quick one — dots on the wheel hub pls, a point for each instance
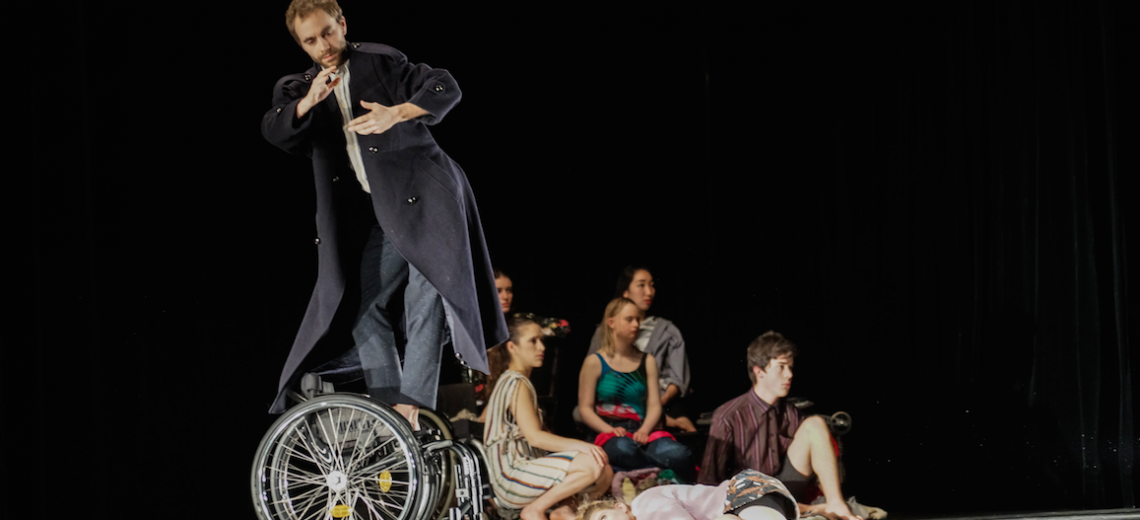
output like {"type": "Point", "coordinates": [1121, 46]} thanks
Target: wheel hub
{"type": "Point", "coordinates": [337, 481]}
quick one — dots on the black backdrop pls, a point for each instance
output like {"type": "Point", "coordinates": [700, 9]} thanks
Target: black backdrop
{"type": "Point", "coordinates": [932, 202]}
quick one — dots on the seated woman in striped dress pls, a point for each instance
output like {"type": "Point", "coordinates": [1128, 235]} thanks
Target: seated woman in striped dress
{"type": "Point", "coordinates": [532, 469]}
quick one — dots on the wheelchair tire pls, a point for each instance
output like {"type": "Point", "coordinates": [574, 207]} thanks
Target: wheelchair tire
{"type": "Point", "coordinates": [441, 488]}
{"type": "Point", "coordinates": [338, 456]}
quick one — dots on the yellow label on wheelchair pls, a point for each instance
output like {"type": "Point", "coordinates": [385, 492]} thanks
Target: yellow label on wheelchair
{"type": "Point", "coordinates": [384, 480]}
{"type": "Point", "coordinates": [341, 511]}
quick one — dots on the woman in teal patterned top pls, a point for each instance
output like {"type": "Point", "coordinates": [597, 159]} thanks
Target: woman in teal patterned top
{"type": "Point", "coordinates": [615, 400]}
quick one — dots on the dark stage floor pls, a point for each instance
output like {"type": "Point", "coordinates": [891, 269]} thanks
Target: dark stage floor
{"type": "Point", "coordinates": [1103, 514]}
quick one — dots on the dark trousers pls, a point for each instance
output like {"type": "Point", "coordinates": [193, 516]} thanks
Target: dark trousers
{"type": "Point", "coordinates": [391, 290]}
{"type": "Point", "coordinates": [664, 453]}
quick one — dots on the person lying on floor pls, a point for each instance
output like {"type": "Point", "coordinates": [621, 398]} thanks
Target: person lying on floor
{"type": "Point", "coordinates": [762, 431]}
{"type": "Point", "coordinates": [749, 495]}
{"type": "Point", "coordinates": [524, 474]}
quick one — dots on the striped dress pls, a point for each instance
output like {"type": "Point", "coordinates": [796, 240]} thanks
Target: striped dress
{"type": "Point", "coordinates": [519, 472]}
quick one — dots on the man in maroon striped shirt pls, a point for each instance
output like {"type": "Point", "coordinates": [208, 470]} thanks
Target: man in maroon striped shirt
{"type": "Point", "coordinates": [761, 431]}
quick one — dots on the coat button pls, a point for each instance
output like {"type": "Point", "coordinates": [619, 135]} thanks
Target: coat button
{"type": "Point", "coordinates": [317, 241]}
{"type": "Point", "coordinates": [458, 356]}
{"type": "Point", "coordinates": [355, 45]}
{"type": "Point", "coordinates": [336, 179]}
{"type": "Point", "coordinates": [373, 149]}
{"type": "Point", "coordinates": [439, 87]}
{"type": "Point", "coordinates": [308, 77]}
{"type": "Point", "coordinates": [279, 110]}
{"type": "Point", "coordinates": [413, 200]}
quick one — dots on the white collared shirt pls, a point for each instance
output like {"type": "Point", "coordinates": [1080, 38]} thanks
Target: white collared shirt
{"type": "Point", "coordinates": [344, 101]}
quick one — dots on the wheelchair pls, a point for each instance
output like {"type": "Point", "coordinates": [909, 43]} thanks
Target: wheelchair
{"type": "Point", "coordinates": [342, 455]}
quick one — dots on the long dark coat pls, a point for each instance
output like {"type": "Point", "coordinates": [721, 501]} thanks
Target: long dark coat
{"type": "Point", "coordinates": [420, 196]}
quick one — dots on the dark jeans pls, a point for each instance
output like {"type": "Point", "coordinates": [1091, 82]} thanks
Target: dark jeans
{"type": "Point", "coordinates": [665, 453]}
{"type": "Point", "coordinates": [392, 289]}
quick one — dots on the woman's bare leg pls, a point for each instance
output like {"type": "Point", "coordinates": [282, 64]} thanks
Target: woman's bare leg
{"type": "Point", "coordinates": [811, 452]}
{"type": "Point", "coordinates": [583, 471]}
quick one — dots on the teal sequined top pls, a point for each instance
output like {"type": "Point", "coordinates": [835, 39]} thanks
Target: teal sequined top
{"type": "Point", "coordinates": [622, 395]}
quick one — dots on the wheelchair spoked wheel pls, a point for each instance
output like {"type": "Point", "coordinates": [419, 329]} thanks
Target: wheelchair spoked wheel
{"type": "Point", "coordinates": [441, 477]}
{"type": "Point", "coordinates": [338, 456]}
{"type": "Point", "coordinates": [492, 506]}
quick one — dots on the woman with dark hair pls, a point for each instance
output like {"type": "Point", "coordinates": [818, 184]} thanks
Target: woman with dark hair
{"type": "Point", "coordinates": [524, 474]}
{"type": "Point", "coordinates": [618, 398]}
{"type": "Point", "coordinates": [506, 290]}
{"type": "Point", "coordinates": [660, 338]}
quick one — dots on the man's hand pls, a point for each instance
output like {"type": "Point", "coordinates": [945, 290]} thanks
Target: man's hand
{"type": "Point", "coordinates": [318, 91]}
{"type": "Point", "coordinates": [381, 118]}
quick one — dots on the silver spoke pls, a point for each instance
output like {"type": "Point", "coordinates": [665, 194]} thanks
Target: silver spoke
{"type": "Point", "coordinates": [312, 503]}
{"type": "Point", "coordinates": [312, 492]}
{"type": "Point", "coordinates": [371, 433]}
{"type": "Point", "coordinates": [306, 443]}
{"type": "Point", "coordinates": [383, 464]}
{"type": "Point", "coordinates": [384, 507]}
{"type": "Point", "coordinates": [340, 452]}
{"type": "Point", "coordinates": [359, 481]}
{"type": "Point", "coordinates": [299, 482]}
{"type": "Point", "coordinates": [298, 455]}
{"type": "Point", "coordinates": [373, 450]}
{"type": "Point", "coordinates": [337, 441]}
{"type": "Point", "coordinates": [325, 436]}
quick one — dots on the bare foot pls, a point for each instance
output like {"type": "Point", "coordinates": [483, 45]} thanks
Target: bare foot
{"type": "Point", "coordinates": [562, 513]}
{"type": "Point", "coordinates": [682, 423]}
{"type": "Point", "coordinates": [840, 510]}
{"type": "Point", "coordinates": [410, 412]}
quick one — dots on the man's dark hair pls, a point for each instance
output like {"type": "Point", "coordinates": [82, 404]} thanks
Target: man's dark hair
{"type": "Point", "coordinates": [626, 277]}
{"type": "Point", "coordinates": [770, 345]}
{"type": "Point", "coordinates": [304, 8]}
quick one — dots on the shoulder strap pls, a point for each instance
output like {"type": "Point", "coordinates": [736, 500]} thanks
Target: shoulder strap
{"type": "Point", "coordinates": [605, 366]}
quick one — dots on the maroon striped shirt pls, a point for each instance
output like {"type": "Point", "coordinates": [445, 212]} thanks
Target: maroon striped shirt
{"type": "Point", "coordinates": [748, 433]}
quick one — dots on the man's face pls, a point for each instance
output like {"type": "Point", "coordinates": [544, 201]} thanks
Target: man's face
{"type": "Point", "coordinates": [322, 37]}
{"type": "Point", "coordinates": [776, 379]}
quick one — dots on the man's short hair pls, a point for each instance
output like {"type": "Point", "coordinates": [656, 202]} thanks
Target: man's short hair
{"type": "Point", "coordinates": [304, 8]}
{"type": "Point", "coordinates": [770, 345]}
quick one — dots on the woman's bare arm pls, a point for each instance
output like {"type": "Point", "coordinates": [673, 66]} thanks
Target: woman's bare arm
{"type": "Point", "coordinates": [587, 386]}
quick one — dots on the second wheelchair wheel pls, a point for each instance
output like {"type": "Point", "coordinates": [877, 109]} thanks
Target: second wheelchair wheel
{"type": "Point", "coordinates": [442, 474]}
{"type": "Point", "coordinates": [338, 456]}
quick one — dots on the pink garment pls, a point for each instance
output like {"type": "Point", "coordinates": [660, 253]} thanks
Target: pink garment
{"type": "Point", "coordinates": [601, 439]}
{"type": "Point", "coordinates": [680, 502]}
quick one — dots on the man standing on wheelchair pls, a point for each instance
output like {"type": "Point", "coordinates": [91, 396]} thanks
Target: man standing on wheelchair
{"type": "Point", "coordinates": [402, 259]}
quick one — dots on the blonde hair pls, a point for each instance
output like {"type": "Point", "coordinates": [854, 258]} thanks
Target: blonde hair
{"type": "Point", "coordinates": [614, 308]}
{"type": "Point", "coordinates": [589, 508]}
